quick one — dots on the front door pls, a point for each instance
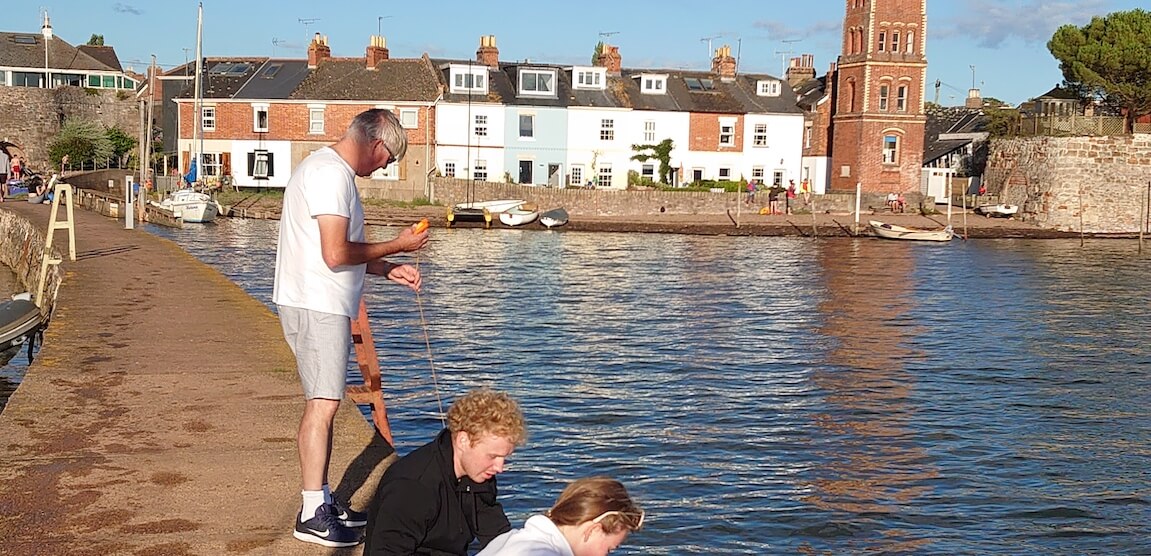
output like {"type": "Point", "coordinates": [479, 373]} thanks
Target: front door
{"type": "Point", "coordinates": [555, 176]}
{"type": "Point", "coordinates": [525, 171]}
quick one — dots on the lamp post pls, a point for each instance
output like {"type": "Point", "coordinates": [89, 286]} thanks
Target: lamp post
{"type": "Point", "coordinates": [46, 31]}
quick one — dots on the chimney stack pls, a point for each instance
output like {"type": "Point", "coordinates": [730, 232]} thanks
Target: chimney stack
{"type": "Point", "coordinates": [974, 99]}
{"type": "Point", "coordinates": [723, 64]}
{"type": "Point", "coordinates": [609, 58]}
{"type": "Point", "coordinates": [801, 69]}
{"type": "Point", "coordinates": [487, 54]}
{"type": "Point", "coordinates": [377, 52]}
{"type": "Point", "coordinates": [318, 51]}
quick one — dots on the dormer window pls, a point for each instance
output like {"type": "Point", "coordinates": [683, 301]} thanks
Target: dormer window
{"type": "Point", "coordinates": [767, 88]}
{"type": "Point", "coordinates": [653, 84]}
{"type": "Point", "coordinates": [468, 79]}
{"type": "Point", "coordinates": [538, 82]}
{"type": "Point", "coordinates": [589, 78]}
{"type": "Point", "coordinates": [699, 84]}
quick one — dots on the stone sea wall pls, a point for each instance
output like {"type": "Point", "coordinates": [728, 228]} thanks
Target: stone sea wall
{"type": "Point", "coordinates": [1089, 184]}
{"type": "Point", "coordinates": [20, 248]}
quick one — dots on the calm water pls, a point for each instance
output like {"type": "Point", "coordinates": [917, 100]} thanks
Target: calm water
{"type": "Point", "coordinates": [785, 395]}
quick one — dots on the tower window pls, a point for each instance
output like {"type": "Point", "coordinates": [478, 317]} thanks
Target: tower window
{"type": "Point", "coordinates": [901, 98]}
{"type": "Point", "coordinates": [895, 42]}
{"type": "Point", "coordinates": [884, 91]}
{"type": "Point", "coordinates": [882, 41]}
{"type": "Point", "coordinates": [890, 149]}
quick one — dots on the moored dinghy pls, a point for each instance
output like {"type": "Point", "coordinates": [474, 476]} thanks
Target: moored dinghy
{"type": "Point", "coordinates": [519, 216]}
{"type": "Point", "coordinates": [891, 231]}
{"type": "Point", "coordinates": [554, 218]}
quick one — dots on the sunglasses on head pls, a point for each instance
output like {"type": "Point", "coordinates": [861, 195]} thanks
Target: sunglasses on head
{"type": "Point", "coordinates": [634, 519]}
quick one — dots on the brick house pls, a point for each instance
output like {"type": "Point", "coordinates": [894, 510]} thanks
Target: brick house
{"type": "Point", "coordinates": [262, 116]}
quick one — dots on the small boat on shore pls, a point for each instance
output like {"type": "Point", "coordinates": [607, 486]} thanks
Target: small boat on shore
{"type": "Point", "coordinates": [518, 216]}
{"type": "Point", "coordinates": [998, 210]}
{"type": "Point", "coordinates": [554, 218]}
{"type": "Point", "coordinates": [891, 231]}
{"type": "Point", "coordinates": [494, 207]}
{"type": "Point", "coordinates": [19, 318]}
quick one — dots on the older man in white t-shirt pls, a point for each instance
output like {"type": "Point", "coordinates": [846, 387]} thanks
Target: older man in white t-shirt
{"type": "Point", "coordinates": [321, 259]}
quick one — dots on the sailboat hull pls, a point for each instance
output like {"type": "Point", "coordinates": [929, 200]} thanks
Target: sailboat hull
{"type": "Point", "coordinates": [191, 206]}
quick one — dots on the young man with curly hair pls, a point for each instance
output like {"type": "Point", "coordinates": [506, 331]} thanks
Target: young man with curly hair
{"type": "Point", "coordinates": [442, 496]}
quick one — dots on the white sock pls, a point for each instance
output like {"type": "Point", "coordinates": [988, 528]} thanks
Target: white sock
{"type": "Point", "coordinates": [327, 494]}
{"type": "Point", "coordinates": [312, 501]}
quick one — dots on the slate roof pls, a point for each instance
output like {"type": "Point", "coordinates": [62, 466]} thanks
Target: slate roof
{"type": "Point", "coordinates": [274, 79]}
{"type": "Point", "coordinates": [1059, 93]}
{"type": "Point", "coordinates": [950, 120]}
{"type": "Point", "coordinates": [394, 79]}
{"type": "Point", "coordinates": [26, 50]}
{"type": "Point", "coordinates": [809, 92]}
{"type": "Point", "coordinates": [223, 77]}
{"type": "Point", "coordinates": [103, 54]}
{"type": "Point", "coordinates": [623, 91]}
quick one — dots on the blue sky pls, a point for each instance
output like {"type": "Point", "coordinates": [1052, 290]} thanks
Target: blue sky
{"type": "Point", "coordinates": [1004, 39]}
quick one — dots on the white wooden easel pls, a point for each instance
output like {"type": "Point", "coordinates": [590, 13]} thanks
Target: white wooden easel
{"type": "Point", "coordinates": [62, 191]}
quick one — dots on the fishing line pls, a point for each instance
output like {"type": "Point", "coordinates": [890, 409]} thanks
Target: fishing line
{"type": "Point", "coordinates": [419, 227]}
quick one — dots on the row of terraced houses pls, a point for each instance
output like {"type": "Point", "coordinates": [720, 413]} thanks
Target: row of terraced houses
{"type": "Point", "coordinates": [489, 120]}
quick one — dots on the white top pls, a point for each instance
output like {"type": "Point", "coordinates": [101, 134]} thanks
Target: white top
{"type": "Point", "coordinates": [539, 537]}
{"type": "Point", "coordinates": [322, 184]}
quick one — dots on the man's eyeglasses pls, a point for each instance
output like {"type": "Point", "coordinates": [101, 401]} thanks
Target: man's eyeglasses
{"type": "Point", "coordinates": [634, 519]}
{"type": "Point", "coordinates": [391, 157]}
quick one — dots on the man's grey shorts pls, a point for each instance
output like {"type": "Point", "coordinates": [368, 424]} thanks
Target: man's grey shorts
{"type": "Point", "coordinates": [320, 342]}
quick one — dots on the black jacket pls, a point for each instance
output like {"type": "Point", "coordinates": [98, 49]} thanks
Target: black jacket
{"type": "Point", "coordinates": [421, 508]}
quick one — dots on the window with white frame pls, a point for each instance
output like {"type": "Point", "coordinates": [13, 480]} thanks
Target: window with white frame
{"type": "Point", "coordinates": [590, 78]}
{"type": "Point", "coordinates": [480, 170]}
{"type": "Point", "coordinates": [603, 177]}
{"type": "Point", "coordinates": [807, 132]}
{"type": "Point", "coordinates": [392, 172]}
{"type": "Point", "coordinates": [209, 165]}
{"type": "Point", "coordinates": [469, 79]}
{"type": "Point", "coordinates": [910, 42]}
{"type": "Point", "coordinates": [481, 125]}
{"type": "Point", "coordinates": [884, 91]}
{"type": "Point", "coordinates": [649, 131]}
{"type": "Point", "coordinates": [759, 135]}
{"type": "Point", "coordinates": [653, 84]}
{"type": "Point", "coordinates": [768, 88]}
{"type": "Point", "coordinates": [647, 171]}
{"type": "Point", "coordinates": [260, 164]}
{"type": "Point", "coordinates": [777, 178]}
{"type": "Point", "coordinates": [607, 129]}
{"type": "Point", "coordinates": [725, 174]}
{"type": "Point", "coordinates": [410, 118]}
{"type": "Point", "coordinates": [890, 149]}
{"type": "Point", "coordinates": [575, 179]}
{"type": "Point", "coordinates": [895, 42]}
{"type": "Point", "coordinates": [449, 169]}
{"type": "Point", "coordinates": [727, 132]}
{"type": "Point", "coordinates": [527, 126]}
{"type": "Point", "coordinates": [882, 41]}
{"type": "Point", "coordinates": [208, 118]}
{"type": "Point", "coordinates": [315, 119]}
{"type": "Point", "coordinates": [757, 173]}
{"type": "Point", "coordinates": [901, 98]}
{"type": "Point", "coordinates": [537, 82]}
{"type": "Point", "coordinates": [260, 118]}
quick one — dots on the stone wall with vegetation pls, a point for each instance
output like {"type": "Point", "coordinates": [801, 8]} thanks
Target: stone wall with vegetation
{"type": "Point", "coordinates": [21, 246]}
{"type": "Point", "coordinates": [1093, 184]}
{"type": "Point", "coordinates": [32, 117]}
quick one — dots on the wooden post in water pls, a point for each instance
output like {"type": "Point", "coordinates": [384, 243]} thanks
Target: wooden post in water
{"type": "Point", "coordinates": [1146, 214]}
{"type": "Point", "coordinates": [1081, 215]}
{"type": "Point", "coordinates": [965, 236]}
{"type": "Point", "coordinates": [858, 195]}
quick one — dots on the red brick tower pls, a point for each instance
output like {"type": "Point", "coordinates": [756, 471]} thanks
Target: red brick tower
{"type": "Point", "coordinates": [878, 121]}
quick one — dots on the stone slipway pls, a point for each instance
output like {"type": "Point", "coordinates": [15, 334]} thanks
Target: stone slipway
{"type": "Point", "coordinates": [160, 416]}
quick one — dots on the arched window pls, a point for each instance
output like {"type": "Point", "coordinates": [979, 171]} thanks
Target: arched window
{"type": "Point", "coordinates": [851, 95]}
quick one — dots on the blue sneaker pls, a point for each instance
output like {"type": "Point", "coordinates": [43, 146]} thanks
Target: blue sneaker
{"type": "Point", "coordinates": [347, 516]}
{"type": "Point", "coordinates": [326, 530]}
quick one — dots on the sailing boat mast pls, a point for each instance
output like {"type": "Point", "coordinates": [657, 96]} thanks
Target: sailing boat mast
{"type": "Point", "coordinates": [197, 102]}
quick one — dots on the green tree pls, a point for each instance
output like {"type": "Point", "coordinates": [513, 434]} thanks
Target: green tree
{"type": "Point", "coordinates": [595, 54]}
{"type": "Point", "coordinates": [96, 40]}
{"type": "Point", "coordinates": [1110, 58]}
{"type": "Point", "coordinates": [123, 144]}
{"type": "Point", "coordinates": [82, 141]}
{"type": "Point", "coordinates": [660, 152]}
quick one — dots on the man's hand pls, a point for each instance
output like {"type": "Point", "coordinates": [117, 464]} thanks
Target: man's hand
{"type": "Point", "coordinates": [409, 240]}
{"type": "Point", "coordinates": [404, 274]}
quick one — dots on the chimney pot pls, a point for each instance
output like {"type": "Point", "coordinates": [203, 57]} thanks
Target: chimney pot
{"type": "Point", "coordinates": [487, 54]}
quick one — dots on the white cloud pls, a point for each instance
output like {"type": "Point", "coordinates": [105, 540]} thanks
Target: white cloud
{"type": "Point", "coordinates": [990, 23]}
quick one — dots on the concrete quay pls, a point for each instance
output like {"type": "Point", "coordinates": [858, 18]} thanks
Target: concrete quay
{"type": "Point", "coordinates": [160, 415]}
